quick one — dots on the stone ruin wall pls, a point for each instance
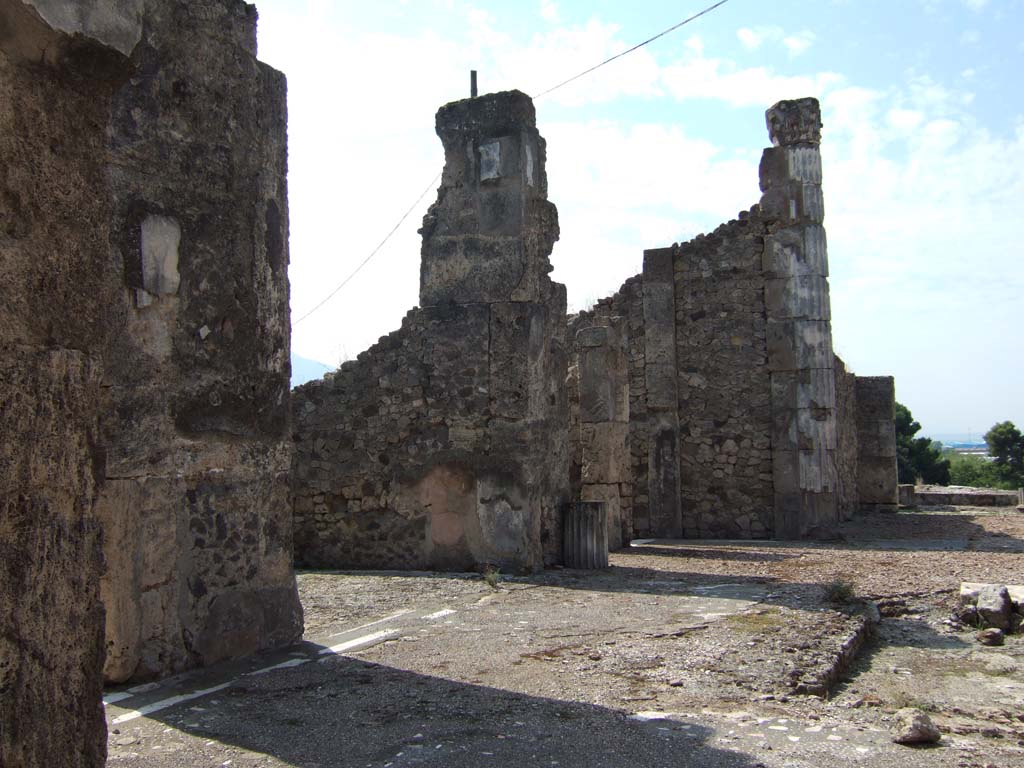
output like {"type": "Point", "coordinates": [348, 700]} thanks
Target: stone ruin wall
{"type": "Point", "coordinates": [724, 392]}
{"type": "Point", "coordinates": [848, 498]}
{"type": "Point", "coordinates": [195, 507]}
{"type": "Point", "coordinates": [598, 390]}
{"type": "Point", "coordinates": [877, 483]}
{"type": "Point", "coordinates": [625, 310]}
{"type": "Point", "coordinates": [144, 387]}
{"type": "Point", "coordinates": [446, 444]}
{"type": "Point", "coordinates": [866, 452]}
{"type": "Point", "coordinates": [763, 418]}
{"type": "Point", "coordinates": [53, 254]}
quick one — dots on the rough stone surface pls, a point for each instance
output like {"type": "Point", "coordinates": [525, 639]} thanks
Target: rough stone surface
{"type": "Point", "coordinates": [743, 424]}
{"type": "Point", "coordinates": [993, 636]}
{"type": "Point", "coordinates": [847, 449]}
{"type": "Point", "coordinates": [143, 235]}
{"type": "Point", "coordinates": [724, 385]}
{"type": "Point", "coordinates": [599, 423]}
{"type": "Point", "coordinates": [994, 607]}
{"type": "Point", "coordinates": [195, 507]}
{"type": "Point", "coordinates": [798, 332]}
{"type": "Point", "coordinates": [624, 311]}
{"type": "Point", "coordinates": [446, 444]}
{"type": "Point", "coordinates": [877, 481]}
{"type": "Point", "coordinates": [915, 727]}
{"type": "Point", "coordinates": [55, 291]}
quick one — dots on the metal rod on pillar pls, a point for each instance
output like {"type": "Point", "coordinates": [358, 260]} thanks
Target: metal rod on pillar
{"type": "Point", "coordinates": [472, 83]}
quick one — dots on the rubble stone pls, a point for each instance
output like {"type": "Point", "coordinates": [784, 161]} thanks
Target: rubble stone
{"type": "Point", "coordinates": [915, 727]}
{"type": "Point", "coordinates": [992, 636]}
{"type": "Point", "coordinates": [993, 606]}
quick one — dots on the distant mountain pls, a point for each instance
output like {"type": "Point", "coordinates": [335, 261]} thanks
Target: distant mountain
{"type": "Point", "coordinates": [304, 369]}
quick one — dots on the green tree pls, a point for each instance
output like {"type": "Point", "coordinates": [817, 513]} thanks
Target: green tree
{"type": "Point", "coordinates": [917, 457]}
{"type": "Point", "coordinates": [1006, 447]}
{"type": "Point", "coordinates": [973, 471]}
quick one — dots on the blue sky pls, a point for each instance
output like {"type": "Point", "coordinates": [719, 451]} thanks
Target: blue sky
{"type": "Point", "coordinates": [923, 155]}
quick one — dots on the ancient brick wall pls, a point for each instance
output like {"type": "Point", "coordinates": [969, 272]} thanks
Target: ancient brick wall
{"type": "Point", "coordinates": [195, 509]}
{"type": "Point", "coordinates": [724, 392]}
{"type": "Point", "coordinates": [446, 444]}
{"type": "Point", "coordinates": [55, 95]}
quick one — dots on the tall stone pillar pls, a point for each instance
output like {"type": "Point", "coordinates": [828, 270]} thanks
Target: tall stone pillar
{"type": "Point", "coordinates": [484, 273]}
{"type": "Point", "coordinates": [799, 336]}
{"type": "Point", "coordinates": [663, 482]}
{"type": "Point", "coordinates": [195, 505]}
{"type": "Point", "coordinates": [604, 423]}
{"type": "Point", "coordinates": [877, 474]}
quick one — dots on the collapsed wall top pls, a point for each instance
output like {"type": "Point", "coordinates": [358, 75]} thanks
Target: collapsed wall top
{"type": "Point", "coordinates": [488, 236]}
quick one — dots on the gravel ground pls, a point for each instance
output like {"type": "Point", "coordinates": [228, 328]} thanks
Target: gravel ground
{"type": "Point", "coordinates": [685, 653]}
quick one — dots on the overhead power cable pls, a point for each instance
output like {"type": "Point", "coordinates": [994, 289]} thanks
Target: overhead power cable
{"type": "Point", "coordinates": [585, 72]}
{"type": "Point", "coordinates": [636, 47]}
{"type": "Point", "coordinates": [373, 253]}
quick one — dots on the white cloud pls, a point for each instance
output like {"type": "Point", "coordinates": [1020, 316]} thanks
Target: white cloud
{"type": "Point", "coordinates": [696, 77]}
{"type": "Point", "coordinates": [549, 11]}
{"type": "Point", "coordinates": [795, 44]}
{"type": "Point", "coordinates": [752, 39]}
{"type": "Point", "coordinates": [976, 5]}
{"type": "Point", "coordinates": [798, 43]}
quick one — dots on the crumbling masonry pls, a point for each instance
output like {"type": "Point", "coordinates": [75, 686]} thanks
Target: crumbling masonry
{"type": "Point", "coordinates": [734, 426]}
{"type": "Point", "coordinates": [703, 400]}
{"type": "Point", "coordinates": [446, 444]}
{"type": "Point", "coordinates": [144, 362]}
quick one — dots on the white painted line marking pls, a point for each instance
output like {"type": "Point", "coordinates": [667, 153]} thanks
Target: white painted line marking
{"type": "Point", "coordinates": [349, 644]}
{"type": "Point", "coordinates": [439, 615]}
{"type": "Point", "coordinates": [113, 698]}
{"type": "Point", "coordinates": [392, 617]}
{"type": "Point", "coordinates": [282, 665]}
{"type": "Point", "coordinates": [156, 706]}
{"type": "Point", "coordinates": [640, 542]}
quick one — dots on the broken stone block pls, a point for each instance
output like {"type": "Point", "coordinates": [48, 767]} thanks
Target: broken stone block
{"type": "Point", "coordinates": [915, 727]}
{"type": "Point", "coordinates": [994, 606]}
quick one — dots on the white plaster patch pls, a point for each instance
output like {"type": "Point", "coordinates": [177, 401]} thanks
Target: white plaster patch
{"type": "Point", "coordinates": [529, 164]}
{"type": "Point", "coordinates": [490, 160]}
{"type": "Point", "coordinates": [161, 237]}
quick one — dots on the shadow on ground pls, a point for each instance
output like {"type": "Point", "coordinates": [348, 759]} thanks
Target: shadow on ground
{"type": "Point", "coordinates": [344, 712]}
